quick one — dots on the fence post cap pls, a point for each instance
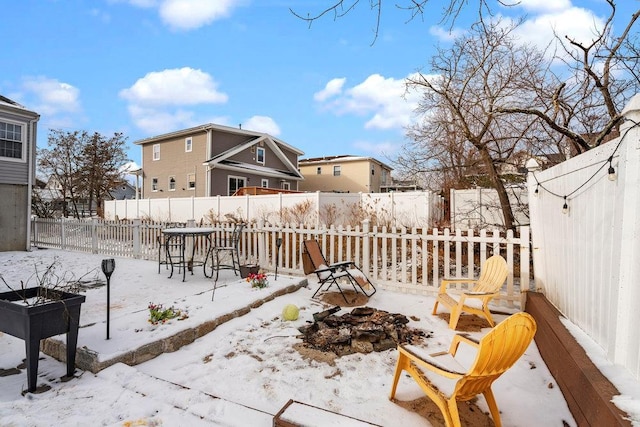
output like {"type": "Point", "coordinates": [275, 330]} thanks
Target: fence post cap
{"type": "Point", "coordinates": [532, 165]}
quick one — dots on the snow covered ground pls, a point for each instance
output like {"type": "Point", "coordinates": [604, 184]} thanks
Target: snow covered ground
{"type": "Point", "coordinates": [243, 372]}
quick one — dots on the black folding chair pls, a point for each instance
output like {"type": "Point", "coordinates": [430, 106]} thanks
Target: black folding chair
{"type": "Point", "coordinates": [332, 274]}
{"type": "Point", "coordinates": [229, 245]}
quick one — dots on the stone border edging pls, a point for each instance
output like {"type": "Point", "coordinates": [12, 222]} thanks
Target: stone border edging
{"type": "Point", "coordinates": [87, 359]}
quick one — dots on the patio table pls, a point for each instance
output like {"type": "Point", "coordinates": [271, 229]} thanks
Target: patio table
{"type": "Point", "coordinates": [181, 235]}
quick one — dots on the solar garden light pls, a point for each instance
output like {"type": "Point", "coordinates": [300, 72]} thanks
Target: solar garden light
{"type": "Point", "coordinates": [108, 265]}
{"type": "Point", "coordinates": [278, 244]}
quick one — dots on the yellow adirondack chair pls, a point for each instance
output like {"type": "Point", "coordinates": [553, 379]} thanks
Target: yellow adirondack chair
{"type": "Point", "coordinates": [445, 382]}
{"type": "Point", "coordinates": [476, 301]}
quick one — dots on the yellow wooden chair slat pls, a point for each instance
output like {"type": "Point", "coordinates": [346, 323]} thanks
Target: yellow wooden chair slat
{"type": "Point", "coordinates": [497, 351]}
{"type": "Point", "coordinates": [476, 300]}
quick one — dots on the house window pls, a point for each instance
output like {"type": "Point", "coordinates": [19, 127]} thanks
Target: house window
{"type": "Point", "coordinates": [156, 151]}
{"type": "Point", "coordinates": [188, 144]}
{"type": "Point", "coordinates": [319, 170]}
{"type": "Point", "coordinates": [191, 181]}
{"type": "Point", "coordinates": [172, 183]}
{"type": "Point", "coordinates": [235, 182]}
{"type": "Point", "coordinates": [384, 176]}
{"type": "Point", "coordinates": [373, 170]}
{"type": "Point", "coordinates": [285, 185]}
{"type": "Point", "coordinates": [154, 184]}
{"type": "Point", "coordinates": [264, 183]}
{"type": "Point", "coordinates": [336, 171]}
{"type": "Point", "coordinates": [260, 155]}
{"type": "Point", "coordinates": [12, 141]}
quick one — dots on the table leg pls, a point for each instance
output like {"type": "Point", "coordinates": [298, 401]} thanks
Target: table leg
{"type": "Point", "coordinates": [169, 257]}
{"type": "Point", "coordinates": [182, 260]}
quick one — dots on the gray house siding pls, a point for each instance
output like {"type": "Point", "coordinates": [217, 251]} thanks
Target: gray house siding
{"type": "Point", "coordinates": [16, 172]}
{"type": "Point", "coordinates": [16, 179]}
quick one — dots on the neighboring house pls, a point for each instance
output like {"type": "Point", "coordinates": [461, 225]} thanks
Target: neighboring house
{"type": "Point", "coordinates": [344, 174]}
{"type": "Point", "coordinates": [211, 160]}
{"type": "Point", "coordinates": [123, 191]}
{"type": "Point", "coordinates": [397, 185]}
{"type": "Point", "coordinates": [18, 130]}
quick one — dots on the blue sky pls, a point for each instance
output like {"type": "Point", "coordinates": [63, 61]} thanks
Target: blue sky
{"type": "Point", "coordinates": [147, 67]}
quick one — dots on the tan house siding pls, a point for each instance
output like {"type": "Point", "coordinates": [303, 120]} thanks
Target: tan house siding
{"type": "Point", "coordinates": [175, 161]}
{"type": "Point", "coordinates": [355, 174]}
{"type": "Point", "coordinates": [217, 153]}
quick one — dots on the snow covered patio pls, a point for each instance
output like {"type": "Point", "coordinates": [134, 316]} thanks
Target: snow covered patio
{"type": "Point", "coordinates": [232, 361]}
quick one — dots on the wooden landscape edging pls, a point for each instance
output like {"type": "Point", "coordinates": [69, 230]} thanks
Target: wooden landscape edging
{"type": "Point", "coordinates": [588, 393]}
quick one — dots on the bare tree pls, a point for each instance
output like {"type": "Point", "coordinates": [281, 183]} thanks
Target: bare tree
{"type": "Point", "coordinates": [463, 130]}
{"type": "Point", "coordinates": [102, 160]}
{"type": "Point", "coordinates": [415, 8]}
{"type": "Point", "coordinates": [85, 167]}
{"type": "Point", "coordinates": [583, 105]}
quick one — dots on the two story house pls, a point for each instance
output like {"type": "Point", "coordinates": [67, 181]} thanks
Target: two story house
{"type": "Point", "coordinates": [18, 128]}
{"type": "Point", "coordinates": [211, 160]}
{"type": "Point", "coordinates": [344, 174]}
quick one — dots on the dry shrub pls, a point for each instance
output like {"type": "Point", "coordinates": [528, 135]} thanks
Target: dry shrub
{"type": "Point", "coordinates": [300, 213]}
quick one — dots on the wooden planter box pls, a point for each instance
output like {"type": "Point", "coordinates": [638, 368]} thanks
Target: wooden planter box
{"type": "Point", "coordinates": [59, 314]}
{"type": "Point", "coordinates": [588, 393]}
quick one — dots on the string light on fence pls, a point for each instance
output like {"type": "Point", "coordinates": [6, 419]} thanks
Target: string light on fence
{"type": "Point", "coordinates": [611, 171]}
{"type": "Point", "coordinates": [565, 207]}
{"type": "Point", "coordinates": [537, 187]}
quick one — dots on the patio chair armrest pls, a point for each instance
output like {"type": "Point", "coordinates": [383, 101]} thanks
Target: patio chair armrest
{"type": "Point", "coordinates": [473, 294]}
{"type": "Point", "coordinates": [340, 264]}
{"type": "Point", "coordinates": [458, 338]}
{"type": "Point", "coordinates": [325, 268]}
{"type": "Point", "coordinates": [429, 362]}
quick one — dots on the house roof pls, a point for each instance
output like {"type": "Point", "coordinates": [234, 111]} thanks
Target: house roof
{"type": "Point", "coordinates": [224, 161]}
{"type": "Point", "coordinates": [8, 104]}
{"type": "Point", "coordinates": [220, 128]}
{"type": "Point", "coordinates": [340, 159]}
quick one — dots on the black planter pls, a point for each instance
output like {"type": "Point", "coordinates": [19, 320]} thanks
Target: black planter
{"type": "Point", "coordinates": [59, 314]}
{"type": "Point", "coordinates": [247, 269]}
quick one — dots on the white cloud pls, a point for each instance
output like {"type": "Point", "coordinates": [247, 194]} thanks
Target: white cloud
{"type": "Point", "coordinates": [378, 149]}
{"type": "Point", "coordinates": [185, 15]}
{"type": "Point", "coordinates": [334, 87]}
{"type": "Point", "coordinates": [443, 34]}
{"type": "Point", "coordinates": [575, 22]}
{"type": "Point", "coordinates": [544, 5]}
{"type": "Point", "coordinates": [384, 99]}
{"type": "Point", "coordinates": [183, 86]}
{"type": "Point", "coordinates": [52, 96]}
{"type": "Point", "coordinates": [191, 14]}
{"type": "Point", "coordinates": [156, 121]}
{"type": "Point", "coordinates": [262, 124]}
{"type": "Point", "coordinates": [157, 101]}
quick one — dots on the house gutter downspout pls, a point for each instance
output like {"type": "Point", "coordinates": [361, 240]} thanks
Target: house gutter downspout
{"type": "Point", "coordinates": [31, 174]}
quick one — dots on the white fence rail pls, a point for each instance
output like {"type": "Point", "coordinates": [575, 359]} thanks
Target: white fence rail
{"type": "Point", "coordinates": [586, 260]}
{"type": "Point", "coordinates": [417, 208]}
{"type": "Point", "coordinates": [397, 258]}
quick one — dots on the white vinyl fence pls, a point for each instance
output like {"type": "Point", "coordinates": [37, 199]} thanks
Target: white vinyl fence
{"type": "Point", "coordinates": [396, 258]}
{"type": "Point", "coordinates": [417, 208]}
{"type": "Point", "coordinates": [585, 257]}
{"type": "Point", "coordinates": [480, 207]}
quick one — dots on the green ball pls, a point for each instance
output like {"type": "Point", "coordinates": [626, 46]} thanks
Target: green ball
{"type": "Point", "coordinates": [290, 312]}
